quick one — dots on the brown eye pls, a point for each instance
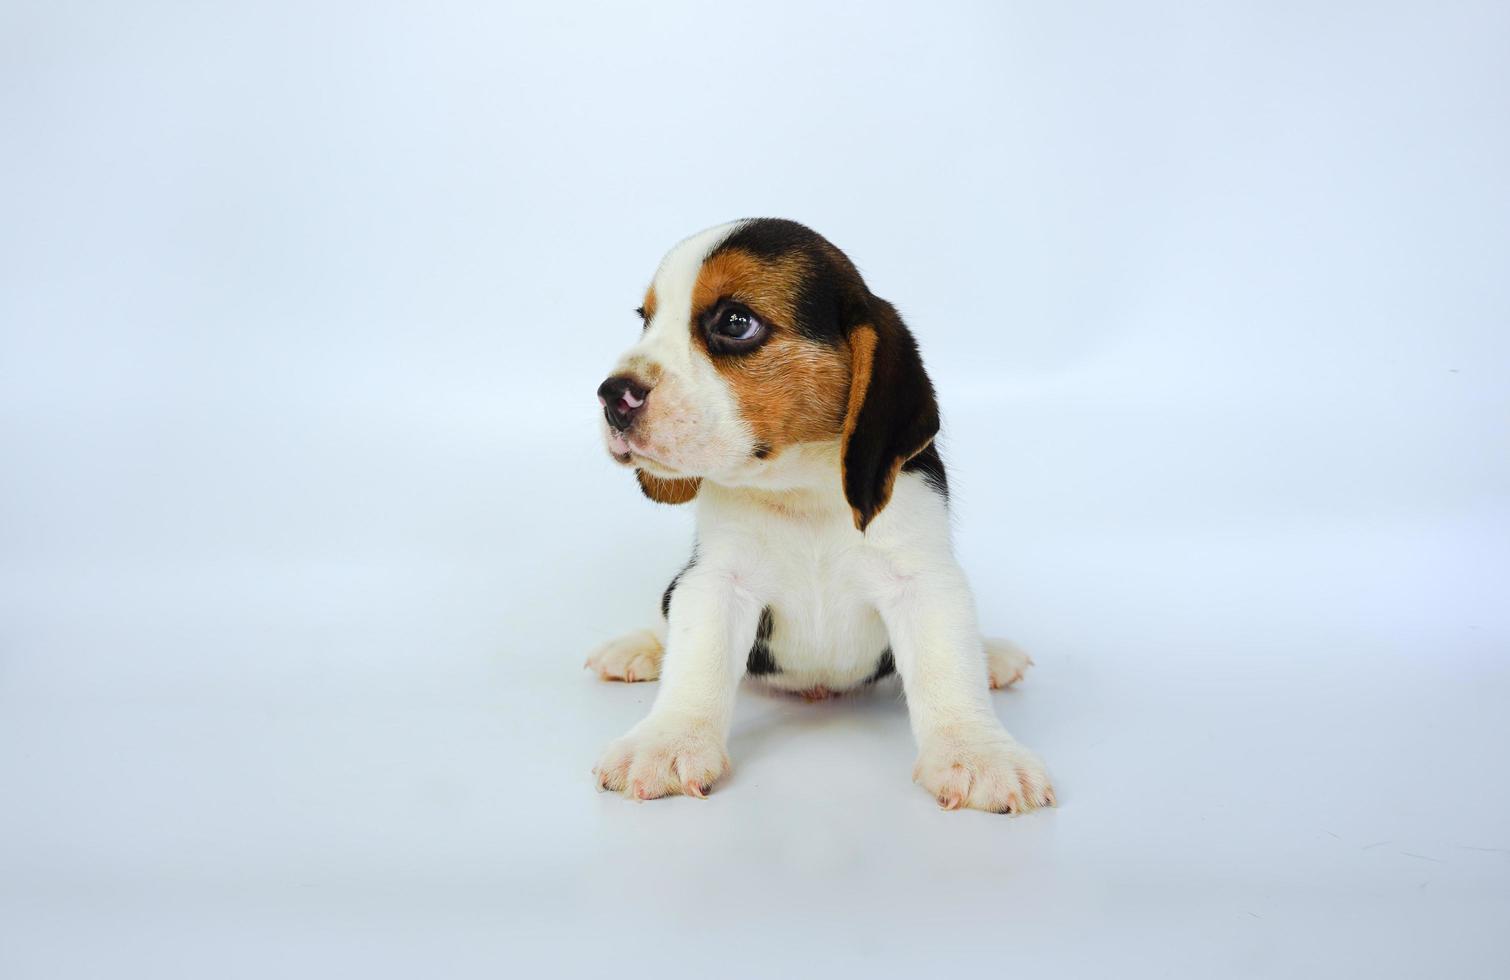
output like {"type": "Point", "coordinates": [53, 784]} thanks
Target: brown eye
{"type": "Point", "coordinates": [735, 328]}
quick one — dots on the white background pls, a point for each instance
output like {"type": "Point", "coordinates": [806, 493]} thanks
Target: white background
{"type": "Point", "coordinates": [306, 530]}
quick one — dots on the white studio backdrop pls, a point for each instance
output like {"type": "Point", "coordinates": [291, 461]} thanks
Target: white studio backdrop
{"type": "Point", "coordinates": [305, 529]}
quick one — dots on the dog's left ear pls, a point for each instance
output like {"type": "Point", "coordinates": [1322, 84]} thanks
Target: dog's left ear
{"type": "Point", "coordinates": [892, 414]}
{"type": "Point", "coordinates": [664, 491]}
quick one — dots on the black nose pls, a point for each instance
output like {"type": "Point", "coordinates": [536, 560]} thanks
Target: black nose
{"type": "Point", "coordinates": [622, 398]}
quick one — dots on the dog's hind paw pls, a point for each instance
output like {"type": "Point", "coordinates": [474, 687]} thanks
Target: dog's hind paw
{"type": "Point", "coordinates": [634, 657]}
{"type": "Point", "coordinates": [1007, 663]}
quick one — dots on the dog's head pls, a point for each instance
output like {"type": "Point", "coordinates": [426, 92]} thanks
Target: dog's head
{"type": "Point", "coordinates": [760, 336]}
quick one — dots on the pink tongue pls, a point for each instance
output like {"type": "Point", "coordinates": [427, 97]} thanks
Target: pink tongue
{"type": "Point", "coordinates": [632, 401]}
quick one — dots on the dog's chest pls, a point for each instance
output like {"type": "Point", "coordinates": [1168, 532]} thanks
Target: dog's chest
{"type": "Point", "coordinates": [824, 631]}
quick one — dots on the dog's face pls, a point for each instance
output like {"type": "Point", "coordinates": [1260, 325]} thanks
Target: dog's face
{"type": "Point", "coordinates": [760, 336]}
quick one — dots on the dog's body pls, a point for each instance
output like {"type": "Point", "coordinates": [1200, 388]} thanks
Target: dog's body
{"type": "Point", "coordinates": [790, 403]}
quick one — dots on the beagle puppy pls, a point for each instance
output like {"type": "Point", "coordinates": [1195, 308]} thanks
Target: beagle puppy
{"type": "Point", "coordinates": [776, 393]}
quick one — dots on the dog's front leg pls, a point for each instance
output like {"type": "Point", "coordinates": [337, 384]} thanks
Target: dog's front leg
{"type": "Point", "coordinates": [679, 746]}
{"type": "Point", "coordinates": [965, 756]}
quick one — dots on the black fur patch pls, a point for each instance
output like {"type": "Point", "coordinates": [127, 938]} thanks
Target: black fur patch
{"type": "Point", "coordinates": [771, 238]}
{"type": "Point", "coordinates": [760, 661]}
{"type": "Point", "coordinates": [931, 465]}
{"type": "Point", "coordinates": [666, 596]}
{"type": "Point", "coordinates": [884, 668]}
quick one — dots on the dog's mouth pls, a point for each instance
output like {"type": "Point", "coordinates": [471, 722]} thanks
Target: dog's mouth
{"type": "Point", "coordinates": [627, 451]}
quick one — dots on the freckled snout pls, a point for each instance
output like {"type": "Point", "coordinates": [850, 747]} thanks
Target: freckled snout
{"type": "Point", "coordinates": [622, 398]}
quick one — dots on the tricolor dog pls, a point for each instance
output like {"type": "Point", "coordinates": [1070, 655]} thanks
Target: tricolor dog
{"type": "Point", "coordinates": [773, 391]}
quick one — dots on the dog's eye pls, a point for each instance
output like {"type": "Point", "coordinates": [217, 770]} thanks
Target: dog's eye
{"type": "Point", "coordinates": [737, 325]}
{"type": "Point", "coordinates": [735, 328]}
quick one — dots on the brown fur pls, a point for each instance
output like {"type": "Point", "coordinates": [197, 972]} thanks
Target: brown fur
{"type": "Point", "coordinates": [862, 347]}
{"type": "Point", "coordinates": [648, 307]}
{"type": "Point", "coordinates": [791, 389]}
{"type": "Point", "coordinates": [664, 490]}
{"type": "Point", "coordinates": [769, 287]}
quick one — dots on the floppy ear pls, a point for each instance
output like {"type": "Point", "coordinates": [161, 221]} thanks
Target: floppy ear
{"type": "Point", "coordinates": [664, 491]}
{"type": "Point", "coordinates": [892, 414]}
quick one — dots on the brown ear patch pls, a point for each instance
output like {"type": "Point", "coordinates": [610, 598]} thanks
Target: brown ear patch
{"type": "Point", "coordinates": [668, 491]}
{"type": "Point", "coordinates": [647, 308]}
{"type": "Point", "coordinates": [792, 388]}
{"type": "Point", "coordinates": [862, 352]}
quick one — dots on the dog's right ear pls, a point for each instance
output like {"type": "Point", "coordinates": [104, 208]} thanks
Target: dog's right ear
{"type": "Point", "coordinates": [892, 414]}
{"type": "Point", "coordinates": [668, 491]}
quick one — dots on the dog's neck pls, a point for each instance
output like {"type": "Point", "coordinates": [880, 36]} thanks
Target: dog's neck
{"type": "Point", "coordinates": [802, 482]}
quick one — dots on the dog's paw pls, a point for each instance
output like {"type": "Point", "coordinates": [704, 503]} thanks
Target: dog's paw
{"type": "Point", "coordinates": [985, 771]}
{"type": "Point", "coordinates": [1007, 663]}
{"type": "Point", "coordinates": [664, 757]}
{"type": "Point", "coordinates": [635, 657]}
